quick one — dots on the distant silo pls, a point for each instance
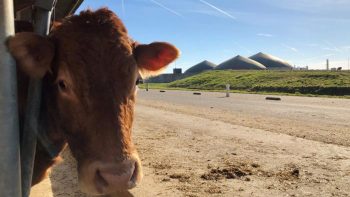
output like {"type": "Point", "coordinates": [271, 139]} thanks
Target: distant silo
{"type": "Point", "coordinates": [177, 71]}
{"type": "Point", "coordinates": [200, 67]}
{"type": "Point", "coordinates": [240, 63]}
{"type": "Point", "coordinates": [271, 62]}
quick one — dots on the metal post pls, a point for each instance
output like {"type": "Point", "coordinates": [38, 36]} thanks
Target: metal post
{"type": "Point", "coordinates": [227, 90]}
{"type": "Point", "coordinates": [147, 86]}
{"type": "Point", "coordinates": [10, 178]}
{"type": "Point", "coordinates": [42, 24]}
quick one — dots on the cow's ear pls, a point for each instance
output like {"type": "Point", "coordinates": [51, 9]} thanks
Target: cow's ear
{"type": "Point", "coordinates": [154, 57]}
{"type": "Point", "coordinates": [33, 53]}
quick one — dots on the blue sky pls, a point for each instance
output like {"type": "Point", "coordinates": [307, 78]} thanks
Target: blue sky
{"type": "Point", "coordinates": [303, 32]}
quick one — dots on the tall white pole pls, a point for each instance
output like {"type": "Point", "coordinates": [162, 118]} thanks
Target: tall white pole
{"type": "Point", "coordinates": [10, 171]}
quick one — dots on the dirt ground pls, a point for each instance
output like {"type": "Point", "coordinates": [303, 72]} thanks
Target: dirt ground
{"type": "Point", "coordinates": [209, 145]}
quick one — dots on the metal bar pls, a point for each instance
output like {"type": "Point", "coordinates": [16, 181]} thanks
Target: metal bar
{"type": "Point", "coordinates": [42, 24]}
{"type": "Point", "coordinates": [29, 139]}
{"type": "Point", "coordinates": [76, 6]}
{"type": "Point", "coordinates": [10, 178]}
{"type": "Point", "coordinates": [227, 90]}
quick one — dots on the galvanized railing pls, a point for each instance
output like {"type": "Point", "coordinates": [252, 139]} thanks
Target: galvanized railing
{"type": "Point", "coordinates": [15, 179]}
{"type": "Point", "coordinates": [10, 176]}
{"type": "Point", "coordinates": [42, 21]}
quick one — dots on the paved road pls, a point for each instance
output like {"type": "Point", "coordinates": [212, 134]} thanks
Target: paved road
{"type": "Point", "coordinates": [321, 119]}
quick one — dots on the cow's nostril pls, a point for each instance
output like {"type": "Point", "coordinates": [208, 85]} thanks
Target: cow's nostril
{"type": "Point", "coordinates": [120, 176]}
{"type": "Point", "coordinates": [100, 182]}
{"type": "Point", "coordinates": [134, 177]}
{"type": "Point", "coordinates": [106, 178]}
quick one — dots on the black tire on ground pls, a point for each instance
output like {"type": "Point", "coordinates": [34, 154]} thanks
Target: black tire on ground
{"type": "Point", "coordinates": [273, 98]}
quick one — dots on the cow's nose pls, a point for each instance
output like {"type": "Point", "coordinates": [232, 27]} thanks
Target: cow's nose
{"type": "Point", "coordinates": [111, 177]}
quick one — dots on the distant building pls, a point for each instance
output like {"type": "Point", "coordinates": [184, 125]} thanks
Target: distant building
{"type": "Point", "coordinates": [240, 63]}
{"type": "Point", "coordinates": [200, 67]}
{"type": "Point", "coordinates": [177, 71]}
{"type": "Point", "coordinates": [167, 78]}
{"type": "Point", "coordinates": [271, 62]}
{"type": "Point", "coordinates": [259, 61]}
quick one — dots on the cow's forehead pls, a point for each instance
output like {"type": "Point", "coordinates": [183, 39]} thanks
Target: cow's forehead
{"type": "Point", "coordinates": [96, 38]}
{"type": "Point", "coordinates": [89, 28]}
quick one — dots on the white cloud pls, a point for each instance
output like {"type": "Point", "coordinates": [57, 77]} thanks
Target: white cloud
{"type": "Point", "coordinates": [335, 49]}
{"type": "Point", "coordinates": [290, 48]}
{"type": "Point", "coordinates": [206, 12]}
{"type": "Point", "coordinates": [166, 8]}
{"type": "Point", "coordinates": [264, 35]}
{"type": "Point", "coordinates": [123, 7]}
{"type": "Point", "coordinates": [331, 47]}
{"type": "Point", "coordinates": [218, 9]}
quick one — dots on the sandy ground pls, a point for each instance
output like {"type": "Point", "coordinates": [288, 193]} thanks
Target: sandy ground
{"type": "Point", "coordinates": [209, 145]}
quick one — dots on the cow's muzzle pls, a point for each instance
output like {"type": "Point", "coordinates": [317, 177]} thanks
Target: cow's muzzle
{"type": "Point", "coordinates": [107, 178]}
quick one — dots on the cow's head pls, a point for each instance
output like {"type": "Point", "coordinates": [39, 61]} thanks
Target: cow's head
{"type": "Point", "coordinates": [90, 67]}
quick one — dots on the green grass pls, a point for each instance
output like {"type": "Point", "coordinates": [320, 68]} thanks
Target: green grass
{"type": "Point", "coordinates": [155, 86]}
{"type": "Point", "coordinates": [286, 82]}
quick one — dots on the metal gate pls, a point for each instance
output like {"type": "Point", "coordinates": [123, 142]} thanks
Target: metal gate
{"type": "Point", "coordinates": [17, 158]}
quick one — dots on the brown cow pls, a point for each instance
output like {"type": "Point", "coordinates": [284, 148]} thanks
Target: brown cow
{"type": "Point", "coordinates": [90, 66]}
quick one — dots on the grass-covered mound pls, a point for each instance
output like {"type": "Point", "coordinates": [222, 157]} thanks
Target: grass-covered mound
{"type": "Point", "coordinates": [294, 82]}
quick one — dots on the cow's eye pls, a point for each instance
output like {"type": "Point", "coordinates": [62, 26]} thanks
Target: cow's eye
{"type": "Point", "coordinates": [62, 85]}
